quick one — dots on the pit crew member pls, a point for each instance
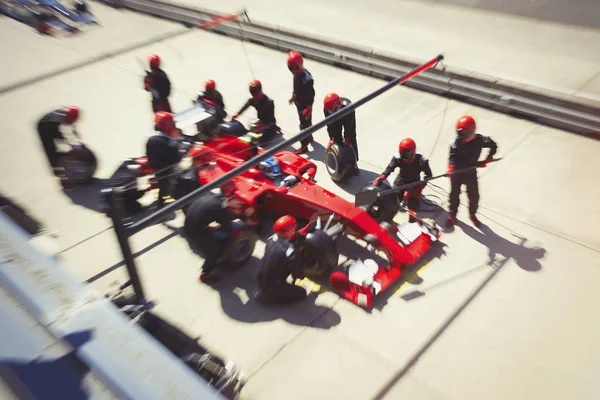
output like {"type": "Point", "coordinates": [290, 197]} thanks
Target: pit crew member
{"type": "Point", "coordinates": [347, 125]}
{"type": "Point", "coordinates": [162, 150]}
{"type": "Point", "coordinates": [157, 83]}
{"type": "Point", "coordinates": [465, 151]}
{"type": "Point", "coordinates": [265, 109]}
{"type": "Point", "coordinates": [281, 259]}
{"type": "Point", "coordinates": [411, 165]}
{"type": "Point", "coordinates": [49, 130]}
{"type": "Point", "coordinates": [303, 95]}
{"type": "Point", "coordinates": [213, 97]}
{"type": "Point", "coordinates": [212, 207]}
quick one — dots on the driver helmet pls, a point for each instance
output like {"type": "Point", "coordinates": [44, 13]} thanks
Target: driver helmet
{"type": "Point", "coordinates": [270, 167]}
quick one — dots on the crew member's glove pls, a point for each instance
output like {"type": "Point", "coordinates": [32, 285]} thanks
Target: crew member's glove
{"type": "Point", "coordinates": [146, 84]}
{"type": "Point", "coordinates": [379, 180]}
{"type": "Point", "coordinates": [235, 116]}
{"type": "Point", "coordinates": [330, 143]}
{"type": "Point", "coordinates": [484, 163]}
{"type": "Point", "coordinates": [291, 100]}
{"type": "Point", "coordinates": [347, 141]}
{"type": "Point", "coordinates": [450, 170]}
{"type": "Point", "coordinates": [307, 112]}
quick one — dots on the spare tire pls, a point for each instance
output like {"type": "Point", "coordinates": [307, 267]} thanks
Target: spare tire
{"type": "Point", "coordinates": [319, 253]}
{"type": "Point", "coordinates": [386, 207]}
{"type": "Point", "coordinates": [79, 164]}
{"type": "Point", "coordinates": [339, 160]}
{"type": "Point", "coordinates": [127, 179]}
{"type": "Point", "coordinates": [234, 127]}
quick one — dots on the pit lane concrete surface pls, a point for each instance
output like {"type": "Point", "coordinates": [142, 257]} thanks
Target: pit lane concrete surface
{"type": "Point", "coordinates": [505, 312]}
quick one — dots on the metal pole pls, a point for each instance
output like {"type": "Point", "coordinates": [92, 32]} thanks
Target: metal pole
{"type": "Point", "coordinates": [114, 197]}
{"type": "Point", "coordinates": [187, 199]}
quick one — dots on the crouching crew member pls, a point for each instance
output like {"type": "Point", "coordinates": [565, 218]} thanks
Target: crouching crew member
{"type": "Point", "coordinates": [281, 259]}
{"type": "Point", "coordinates": [411, 165]}
{"type": "Point", "coordinates": [212, 207]}
{"type": "Point", "coordinates": [465, 151]}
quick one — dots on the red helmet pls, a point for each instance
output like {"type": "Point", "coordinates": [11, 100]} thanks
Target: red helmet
{"type": "Point", "coordinates": [465, 127]}
{"type": "Point", "coordinates": [154, 61]}
{"type": "Point", "coordinates": [71, 114]}
{"type": "Point", "coordinates": [165, 122]}
{"type": "Point", "coordinates": [210, 85]}
{"type": "Point", "coordinates": [285, 227]}
{"type": "Point", "coordinates": [255, 88]}
{"type": "Point", "coordinates": [295, 62]}
{"type": "Point", "coordinates": [332, 102]}
{"type": "Point", "coordinates": [407, 149]}
{"type": "Point", "coordinates": [228, 189]}
{"type": "Point", "coordinates": [201, 155]}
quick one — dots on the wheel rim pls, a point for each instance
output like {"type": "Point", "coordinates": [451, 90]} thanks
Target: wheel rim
{"type": "Point", "coordinates": [332, 163]}
{"type": "Point", "coordinates": [241, 251]}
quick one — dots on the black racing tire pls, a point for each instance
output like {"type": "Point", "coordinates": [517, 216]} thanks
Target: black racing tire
{"type": "Point", "coordinates": [320, 254]}
{"type": "Point", "coordinates": [79, 165]}
{"type": "Point", "coordinates": [339, 161]}
{"type": "Point", "coordinates": [234, 127]}
{"type": "Point", "coordinates": [386, 207]}
{"type": "Point", "coordinates": [239, 249]}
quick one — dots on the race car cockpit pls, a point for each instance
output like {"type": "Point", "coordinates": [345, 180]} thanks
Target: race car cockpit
{"type": "Point", "coordinates": [270, 169]}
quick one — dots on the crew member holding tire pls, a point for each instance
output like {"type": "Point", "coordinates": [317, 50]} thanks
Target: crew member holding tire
{"type": "Point", "coordinates": [162, 150]}
{"type": "Point", "coordinates": [465, 151]}
{"type": "Point", "coordinates": [265, 109]}
{"type": "Point", "coordinates": [303, 95]}
{"type": "Point", "coordinates": [157, 83]}
{"type": "Point", "coordinates": [49, 130]}
{"type": "Point", "coordinates": [207, 209]}
{"type": "Point", "coordinates": [281, 259]}
{"type": "Point", "coordinates": [411, 165]}
{"type": "Point", "coordinates": [346, 125]}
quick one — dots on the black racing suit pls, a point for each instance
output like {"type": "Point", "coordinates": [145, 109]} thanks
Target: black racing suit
{"type": "Point", "coordinates": [304, 95]}
{"type": "Point", "coordinates": [203, 211]}
{"type": "Point", "coordinates": [48, 129]}
{"type": "Point", "coordinates": [159, 86]}
{"type": "Point", "coordinates": [265, 111]}
{"type": "Point", "coordinates": [409, 172]}
{"type": "Point", "coordinates": [466, 155]}
{"type": "Point", "coordinates": [163, 156]}
{"type": "Point", "coordinates": [346, 124]}
{"type": "Point", "coordinates": [279, 261]}
{"type": "Point", "coordinates": [216, 97]}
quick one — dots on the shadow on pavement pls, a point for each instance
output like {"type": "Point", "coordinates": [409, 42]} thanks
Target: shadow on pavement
{"type": "Point", "coordinates": [355, 183]}
{"type": "Point", "coordinates": [49, 379]}
{"type": "Point", "coordinates": [527, 258]}
{"type": "Point", "coordinates": [237, 291]}
{"type": "Point", "coordinates": [88, 195]}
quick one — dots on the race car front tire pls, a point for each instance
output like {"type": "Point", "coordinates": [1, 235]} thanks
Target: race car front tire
{"type": "Point", "coordinates": [386, 207]}
{"type": "Point", "coordinates": [239, 249]}
{"type": "Point", "coordinates": [339, 161]}
{"type": "Point", "coordinates": [320, 254]}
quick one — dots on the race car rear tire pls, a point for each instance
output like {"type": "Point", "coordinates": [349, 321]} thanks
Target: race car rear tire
{"type": "Point", "coordinates": [320, 254]}
{"type": "Point", "coordinates": [386, 207]}
{"type": "Point", "coordinates": [339, 161]}
{"type": "Point", "coordinates": [239, 249]}
{"type": "Point", "coordinates": [126, 179]}
{"type": "Point", "coordinates": [234, 127]}
{"type": "Point", "coordinates": [79, 165]}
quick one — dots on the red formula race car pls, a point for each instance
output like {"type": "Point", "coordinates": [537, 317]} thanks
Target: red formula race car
{"type": "Point", "coordinates": [285, 184]}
